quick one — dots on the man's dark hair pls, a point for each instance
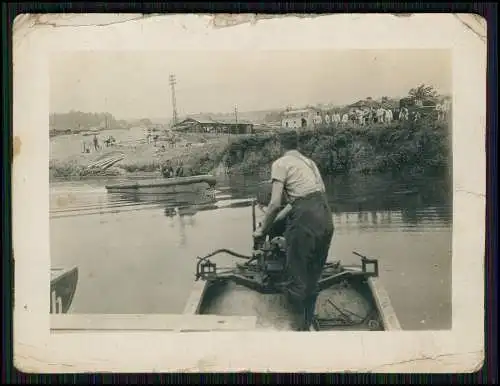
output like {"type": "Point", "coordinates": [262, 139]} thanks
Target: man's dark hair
{"type": "Point", "coordinates": [289, 140]}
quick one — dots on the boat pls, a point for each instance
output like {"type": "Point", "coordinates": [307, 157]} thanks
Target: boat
{"type": "Point", "coordinates": [165, 185]}
{"type": "Point", "coordinates": [63, 283]}
{"type": "Point", "coordinates": [199, 198]}
{"type": "Point", "coordinates": [351, 298]}
{"type": "Point", "coordinates": [358, 303]}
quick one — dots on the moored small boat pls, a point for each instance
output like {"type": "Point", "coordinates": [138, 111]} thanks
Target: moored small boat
{"type": "Point", "coordinates": [63, 283]}
{"type": "Point", "coordinates": [165, 185]}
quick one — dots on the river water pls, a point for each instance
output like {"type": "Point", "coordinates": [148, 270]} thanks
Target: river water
{"type": "Point", "coordinates": [137, 254]}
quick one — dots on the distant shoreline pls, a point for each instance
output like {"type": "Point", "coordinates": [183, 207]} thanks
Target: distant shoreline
{"type": "Point", "coordinates": [402, 147]}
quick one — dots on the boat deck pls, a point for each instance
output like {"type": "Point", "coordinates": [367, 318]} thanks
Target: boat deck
{"type": "Point", "coordinates": [57, 272]}
{"type": "Point", "coordinates": [338, 308]}
{"type": "Point", "coordinates": [363, 305]}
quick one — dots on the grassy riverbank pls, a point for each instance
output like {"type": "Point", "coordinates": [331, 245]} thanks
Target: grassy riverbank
{"type": "Point", "coordinates": [408, 147]}
{"type": "Point", "coordinates": [400, 147]}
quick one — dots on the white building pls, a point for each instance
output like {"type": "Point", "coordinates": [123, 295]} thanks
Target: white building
{"type": "Point", "coordinates": [298, 119]}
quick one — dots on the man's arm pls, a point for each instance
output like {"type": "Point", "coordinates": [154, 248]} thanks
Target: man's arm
{"type": "Point", "coordinates": [278, 178]}
{"type": "Point", "coordinates": [273, 207]}
{"type": "Point", "coordinates": [283, 213]}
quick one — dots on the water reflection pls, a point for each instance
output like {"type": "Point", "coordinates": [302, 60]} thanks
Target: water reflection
{"type": "Point", "coordinates": [183, 217]}
{"type": "Point", "coordinates": [170, 212]}
{"type": "Point", "coordinates": [180, 207]}
{"type": "Point", "coordinates": [377, 202]}
{"type": "Point", "coordinates": [407, 219]}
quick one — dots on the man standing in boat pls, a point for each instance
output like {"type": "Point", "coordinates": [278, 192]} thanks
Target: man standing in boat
{"type": "Point", "coordinates": [309, 226]}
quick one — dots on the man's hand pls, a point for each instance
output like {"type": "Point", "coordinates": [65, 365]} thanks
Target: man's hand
{"type": "Point", "coordinates": [258, 233]}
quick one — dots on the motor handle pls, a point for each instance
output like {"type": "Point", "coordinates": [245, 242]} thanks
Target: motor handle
{"type": "Point", "coordinates": [254, 226]}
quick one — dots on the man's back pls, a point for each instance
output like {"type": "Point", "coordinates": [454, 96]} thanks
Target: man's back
{"type": "Point", "coordinates": [299, 174]}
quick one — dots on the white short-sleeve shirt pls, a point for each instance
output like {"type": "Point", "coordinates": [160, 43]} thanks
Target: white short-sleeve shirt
{"type": "Point", "coordinates": [299, 174]}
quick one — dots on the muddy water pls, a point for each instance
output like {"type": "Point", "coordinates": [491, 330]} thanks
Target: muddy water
{"type": "Point", "coordinates": [136, 254]}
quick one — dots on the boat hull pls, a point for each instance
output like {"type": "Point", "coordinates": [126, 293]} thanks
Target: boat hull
{"type": "Point", "coordinates": [63, 285]}
{"type": "Point", "coordinates": [164, 185]}
{"type": "Point", "coordinates": [162, 190]}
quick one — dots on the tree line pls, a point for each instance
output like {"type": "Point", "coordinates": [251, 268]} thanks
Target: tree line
{"type": "Point", "coordinates": [75, 121]}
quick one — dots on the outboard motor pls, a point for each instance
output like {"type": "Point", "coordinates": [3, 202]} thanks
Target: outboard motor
{"type": "Point", "coordinates": [274, 253]}
{"type": "Point", "coordinates": [265, 270]}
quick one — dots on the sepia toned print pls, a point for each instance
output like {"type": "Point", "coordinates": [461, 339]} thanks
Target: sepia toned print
{"type": "Point", "coordinates": [207, 195]}
{"type": "Point", "coordinates": [162, 161]}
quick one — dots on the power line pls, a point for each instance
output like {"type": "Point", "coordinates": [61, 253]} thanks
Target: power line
{"type": "Point", "coordinates": [172, 82]}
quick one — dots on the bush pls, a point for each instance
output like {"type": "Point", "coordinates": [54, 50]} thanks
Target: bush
{"type": "Point", "coordinates": [72, 169]}
{"type": "Point", "coordinates": [421, 145]}
{"type": "Point", "coordinates": [146, 166]}
{"type": "Point", "coordinates": [66, 169]}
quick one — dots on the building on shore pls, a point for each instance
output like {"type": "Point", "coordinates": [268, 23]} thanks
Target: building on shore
{"type": "Point", "coordinates": [299, 119]}
{"type": "Point", "coordinates": [364, 104]}
{"type": "Point", "coordinates": [210, 126]}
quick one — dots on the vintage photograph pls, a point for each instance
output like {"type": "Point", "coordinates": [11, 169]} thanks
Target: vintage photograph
{"type": "Point", "coordinates": [287, 190]}
{"type": "Point", "coordinates": [220, 193]}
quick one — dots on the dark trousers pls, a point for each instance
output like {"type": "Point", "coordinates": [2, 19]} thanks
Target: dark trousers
{"type": "Point", "coordinates": [277, 229]}
{"type": "Point", "coordinates": [308, 235]}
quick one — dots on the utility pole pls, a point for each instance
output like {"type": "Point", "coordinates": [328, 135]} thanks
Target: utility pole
{"type": "Point", "coordinates": [236, 120]}
{"type": "Point", "coordinates": [172, 82]}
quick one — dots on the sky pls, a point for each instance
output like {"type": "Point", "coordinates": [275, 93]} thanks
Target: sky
{"type": "Point", "coordinates": [136, 84]}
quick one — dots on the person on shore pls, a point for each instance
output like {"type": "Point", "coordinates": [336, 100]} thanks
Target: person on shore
{"type": "Point", "coordinates": [337, 118]}
{"type": "Point", "coordinates": [167, 170]}
{"type": "Point", "coordinates": [403, 114]}
{"type": "Point", "coordinates": [439, 109]}
{"type": "Point", "coordinates": [179, 170]}
{"type": "Point", "coordinates": [309, 226]}
{"type": "Point", "coordinates": [96, 142]}
{"type": "Point", "coordinates": [380, 115]}
{"type": "Point", "coordinates": [388, 116]}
